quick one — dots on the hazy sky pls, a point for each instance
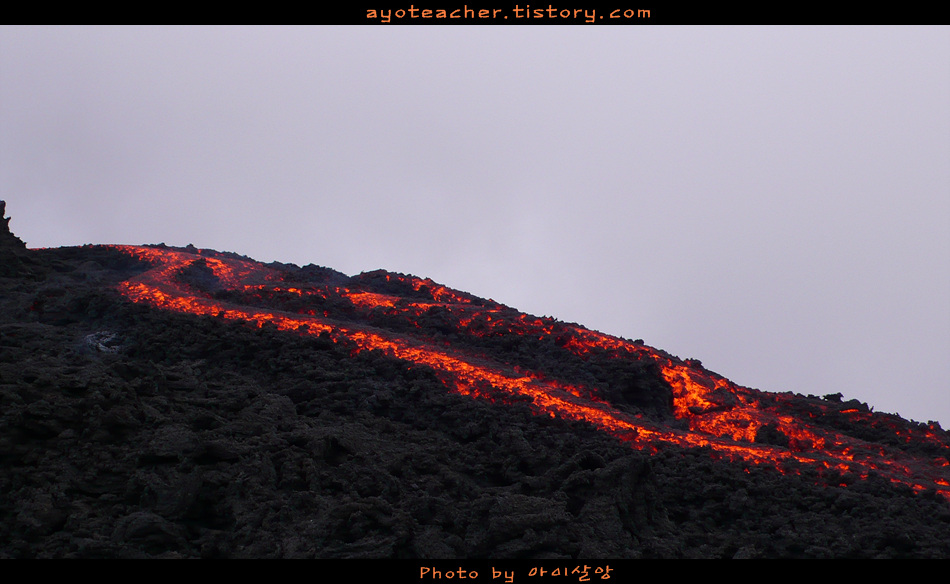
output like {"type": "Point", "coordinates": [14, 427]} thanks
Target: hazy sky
{"type": "Point", "coordinates": [772, 201]}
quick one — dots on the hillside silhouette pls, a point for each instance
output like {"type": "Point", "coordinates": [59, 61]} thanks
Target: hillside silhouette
{"type": "Point", "coordinates": [180, 402]}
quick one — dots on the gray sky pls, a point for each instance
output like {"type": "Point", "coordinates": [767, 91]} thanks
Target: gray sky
{"type": "Point", "coordinates": [773, 201]}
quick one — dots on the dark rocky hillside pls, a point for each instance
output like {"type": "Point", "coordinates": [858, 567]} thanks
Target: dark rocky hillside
{"type": "Point", "coordinates": [127, 431]}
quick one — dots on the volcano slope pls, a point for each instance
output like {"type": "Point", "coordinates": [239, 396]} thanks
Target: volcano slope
{"type": "Point", "coordinates": [177, 402]}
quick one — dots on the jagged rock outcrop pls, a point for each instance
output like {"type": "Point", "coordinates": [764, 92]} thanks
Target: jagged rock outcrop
{"type": "Point", "coordinates": [7, 238]}
{"type": "Point", "coordinates": [13, 252]}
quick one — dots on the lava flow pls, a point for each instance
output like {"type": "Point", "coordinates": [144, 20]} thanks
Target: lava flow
{"type": "Point", "coordinates": [385, 312]}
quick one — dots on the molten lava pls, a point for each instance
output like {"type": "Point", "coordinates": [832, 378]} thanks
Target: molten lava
{"type": "Point", "coordinates": [728, 419]}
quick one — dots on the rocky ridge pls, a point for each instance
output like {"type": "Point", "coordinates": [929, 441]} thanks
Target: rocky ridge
{"type": "Point", "coordinates": [126, 431]}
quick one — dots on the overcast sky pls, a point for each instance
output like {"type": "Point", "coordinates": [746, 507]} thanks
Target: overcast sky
{"type": "Point", "coordinates": [772, 201]}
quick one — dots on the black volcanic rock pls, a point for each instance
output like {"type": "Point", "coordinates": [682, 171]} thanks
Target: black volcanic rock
{"type": "Point", "coordinates": [769, 434]}
{"type": "Point", "coordinates": [313, 274]}
{"type": "Point", "coordinates": [13, 253]}
{"type": "Point", "coordinates": [8, 241]}
{"type": "Point", "coordinates": [200, 277]}
{"type": "Point", "coordinates": [128, 431]}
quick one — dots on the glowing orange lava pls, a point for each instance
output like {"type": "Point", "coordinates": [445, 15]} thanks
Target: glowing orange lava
{"type": "Point", "coordinates": [720, 415]}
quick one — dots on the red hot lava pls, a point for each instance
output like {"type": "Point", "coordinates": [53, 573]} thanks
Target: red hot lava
{"type": "Point", "coordinates": [721, 416]}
